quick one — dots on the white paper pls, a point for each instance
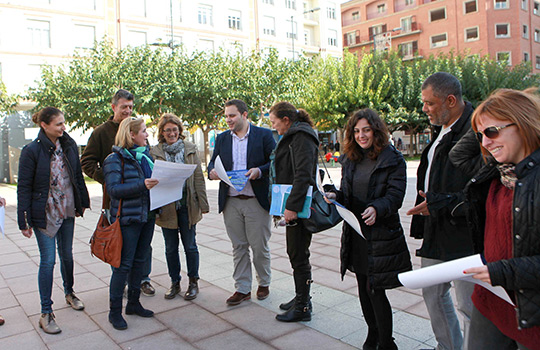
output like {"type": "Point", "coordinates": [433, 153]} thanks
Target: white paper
{"type": "Point", "coordinates": [2, 220]}
{"type": "Point", "coordinates": [222, 173]}
{"type": "Point", "coordinates": [449, 271]}
{"type": "Point", "coordinates": [349, 217]}
{"type": "Point", "coordinates": [171, 177]}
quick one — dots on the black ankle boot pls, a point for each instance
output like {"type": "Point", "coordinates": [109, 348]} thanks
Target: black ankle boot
{"type": "Point", "coordinates": [134, 306]}
{"type": "Point", "coordinates": [372, 340]}
{"type": "Point", "coordinates": [299, 312]}
{"type": "Point", "coordinates": [290, 304]}
{"type": "Point", "coordinates": [193, 289]}
{"type": "Point", "coordinates": [115, 316]}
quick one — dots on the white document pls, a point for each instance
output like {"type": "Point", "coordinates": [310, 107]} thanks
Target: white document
{"type": "Point", "coordinates": [449, 271]}
{"type": "Point", "coordinates": [2, 220]}
{"type": "Point", "coordinates": [222, 173]}
{"type": "Point", "coordinates": [171, 177]}
{"type": "Point", "coordinates": [349, 218]}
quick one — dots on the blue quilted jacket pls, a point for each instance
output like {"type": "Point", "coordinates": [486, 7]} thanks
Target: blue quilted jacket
{"type": "Point", "coordinates": [134, 194]}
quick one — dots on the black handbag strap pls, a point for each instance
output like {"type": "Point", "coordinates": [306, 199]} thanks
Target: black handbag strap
{"type": "Point", "coordinates": [322, 161]}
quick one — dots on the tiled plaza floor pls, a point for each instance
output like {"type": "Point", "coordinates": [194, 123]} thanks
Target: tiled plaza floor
{"type": "Point", "coordinates": [206, 322]}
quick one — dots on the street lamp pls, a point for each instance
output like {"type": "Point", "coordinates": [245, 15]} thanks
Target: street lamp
{"type": "Point", "coordinates": [292, 26]}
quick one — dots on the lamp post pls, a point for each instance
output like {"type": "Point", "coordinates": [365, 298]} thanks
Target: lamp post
{"type": "Point", "coordinates": [292, 26]}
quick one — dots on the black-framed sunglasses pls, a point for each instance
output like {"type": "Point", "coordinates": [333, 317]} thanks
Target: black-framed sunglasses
{"type": "Point", "coordinates": [491, 132]}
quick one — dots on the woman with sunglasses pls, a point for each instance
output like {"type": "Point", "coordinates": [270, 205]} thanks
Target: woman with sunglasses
{"type": "Point", "coordinates": [504, 217]}
{"type": "Point", "coordinates": [181, 216]}
{"type": "Point", "coordinates": [127, 172]}
{"type": "Point", "coordinates": [294, 161]}
{"type": "Point", "coordinates": [373, 183]}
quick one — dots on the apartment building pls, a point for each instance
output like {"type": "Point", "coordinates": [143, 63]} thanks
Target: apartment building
{"type": "Point", "coordinates": [507, 30]}
{"type": "Point", "coordinates": [34, 33]}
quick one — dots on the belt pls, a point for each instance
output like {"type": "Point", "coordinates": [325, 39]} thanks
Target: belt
{"type": "Point", "coordinates": [243, 196]}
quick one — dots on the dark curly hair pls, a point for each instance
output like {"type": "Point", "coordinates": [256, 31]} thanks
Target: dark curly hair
{"type": "Point", "coordinates": [380, 135]}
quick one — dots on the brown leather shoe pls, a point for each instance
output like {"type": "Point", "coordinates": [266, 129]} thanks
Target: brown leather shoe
{"type": "Point", "coordinates": [238, 297]}
{"type": "Point", "coordinates": [2, 321]}
{"type": "Point", "coordinates": [262, 292]}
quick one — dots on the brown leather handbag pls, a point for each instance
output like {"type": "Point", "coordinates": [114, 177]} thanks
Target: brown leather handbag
{"type": "Point", "coordinates": [106, 242]}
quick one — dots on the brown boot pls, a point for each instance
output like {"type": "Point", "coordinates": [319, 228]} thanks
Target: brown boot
{"type": "Point", "coordinates": [193, 289]}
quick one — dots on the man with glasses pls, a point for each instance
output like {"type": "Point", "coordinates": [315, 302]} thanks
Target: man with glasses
{"type": "Point", "coordinates": [245, 213]}
{"type": "Point", "coordinates": [99, 146]}
{"type": "Point", "coordinates": [438, 217]}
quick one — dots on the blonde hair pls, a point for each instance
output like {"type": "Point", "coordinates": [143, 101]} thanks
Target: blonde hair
{"type": "Point", "coordinates": [173, 119]}
{"type": "Point", "coordinates": [519, 107]}
{"type": "Point", "coordinates": [127, 126]}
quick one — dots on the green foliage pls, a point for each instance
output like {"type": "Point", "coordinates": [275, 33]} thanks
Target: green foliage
{"type": "Point", "coordinates": [7, 101]}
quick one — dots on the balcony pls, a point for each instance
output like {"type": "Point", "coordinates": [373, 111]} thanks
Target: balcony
{"type": "Point", "coordinates": [363, 40]}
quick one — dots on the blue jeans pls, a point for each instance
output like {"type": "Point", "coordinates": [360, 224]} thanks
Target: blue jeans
{"type": "Point", "coordinates": [147, 268]}
{"type": "Point", "coordinates": [47, 253]}
{"type": "Point", "coordinates": [136, 244]}
{"type": "Point", "coordinates": [187, 234]}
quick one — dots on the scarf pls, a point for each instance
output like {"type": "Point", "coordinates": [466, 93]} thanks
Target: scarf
{"type": "Point", "coordinates": [142, 155]}
{"type": "Point", "coordinates": [175, 152]}
{"type": "Point", "coordinates": [508, 175]}
{"type": "Point", "coordinates": [60, 201]}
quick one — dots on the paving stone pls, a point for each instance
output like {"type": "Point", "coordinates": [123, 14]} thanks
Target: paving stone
{"type": "Point", "coordinates": [194, 323]}
{"type": "Point", "coordinates": [403, 300]}
{"type": "Point", "coordinates": [309, 339]}
{"type": "Point", "coordinates": [8, 299]}
{"type": "Point", "coordinates": [88, 341]}
{"type": "Point", "coordinates": [16, 322]}
{"type": "Point", "coordinates": [73, 323]}
{"type": "Point", "coordinates": [95, 301]}
{"type": "Point", "coordinates": [137, 327]}
{"type": "Point", "coordinates": [259, 322]}
{"type": "Point", "coordinates": [329, 297]}
{"type": "Point", "coordinates": [13, 258]}
{"type": "Point", "coordinates": [18, 270]}
{"type": "Point", "coordinates": [232, 340]}
{"type": "Point", "coordinates": [412, 326]}
{"type": "Point", "coordinates": [163, 341]}
{"type": "Point", "coordinates": [335, 323]}
{"type": "Point", "coordinates": [213, 299]}
{"type": "Point", "coordinates": [26, 340]}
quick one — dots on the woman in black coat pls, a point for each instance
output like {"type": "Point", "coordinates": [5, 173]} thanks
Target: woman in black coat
{"type": "Point", "coordinates": [127, 172]}
{"type": "Point", "coordinates": [295, 162]}
{"type": "Point", "coordinates": [504, 217]}
{"type": "Point", "coordinates": [50, 193]}
{"type": "Point", "coordinates": [373, 186]}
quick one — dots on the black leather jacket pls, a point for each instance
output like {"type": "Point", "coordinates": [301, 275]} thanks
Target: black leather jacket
{"type": "Point", "coordinates": [521, 274]}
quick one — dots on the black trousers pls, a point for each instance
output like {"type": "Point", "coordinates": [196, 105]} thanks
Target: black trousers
{"type": "Point", "coordinates": [377, 311]}
{"type": "Point", "coordinates": [298, 242]}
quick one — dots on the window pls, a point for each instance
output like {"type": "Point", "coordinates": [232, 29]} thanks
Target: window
{"type": "Point", "coordinates": [138, 8]}
{"type": "Point", "coordinates": [292, 26]}
{"type": "Point", "coordinates": [504, 57]}
{"type": "Point", "coordinates": [269, 25]}
{"type": "Point", "coordinates": [536, 8]}
{"type": "Point", "coordinates": [88, 4]}
{"type": "Point", "coordinates": [525, 31]}
{"type": "Point", "coordinates": [470, 6]}
{"type": "Point", "coordinates": [537, 62]}
{"type": "Point", "coordinates": [502, 30]}
{"type": "Point", "coordinates": [537, 35]}
{"type": "Point", "coordinates": [407, 49]}
{"type": "Point", "coordinates": [381, 8]}
{"type": "Point", "coordinates": [331, 11]}
{"type": "Point", "coordinates": [525, 57]}
{"type": "Point", "coordinates": [409, 2]}
{"type": "Point", "coordinates": [438, 14]}
{"type": "Point", "coordinates": [235, 20]}
{"type": "Point", "coordinates": [471, 34]}
{"type": "Point", "coordinates": [439, 40]}
{"type": "Point", "coordinates": [351, 38]}
{"type": "Point", "coordinates": [406, 24]}
{"type": "Point", "coordinates": [524, 5]}
{"type": "Point", "coordinates": [332, 37]}
{"type": "Point", "coordinates": [373, 31]}
{"type": "Point", "coordinates": [307, 37]}
{"type": "Point", "coordinates": [269, 2]}
{"type": "Point", "coordinates": [86, 36]}
{"type": "Point", "coordinates": [40, 33]}
{"type": "Point", "coordinates": [501, 4]}
{"type": "Point", "coordinates": [205, 45]}
{"type": "Point", "coordinates": [136, 38]}
{"type": "Point", "coordinates": [290, 4]}
{"type": "Point", "coordinates": [204, 15]}
{"type": "Point", "coordinates": [355, 16]}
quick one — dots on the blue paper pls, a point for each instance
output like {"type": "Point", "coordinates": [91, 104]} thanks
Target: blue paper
{"type": "Point", "coordinates": [238, 179]}
{"type": "Point", "coordinates": [280, 193]}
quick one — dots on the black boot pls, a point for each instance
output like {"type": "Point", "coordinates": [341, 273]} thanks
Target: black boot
{"type": "Point", "coordinates": [115, 315]}
{"type": "Point", "coordinates": [134, 306]}
{"type": "Point", "coordinates": [288, 305]}
{"type": "Point", "coordinates": [372, 340]}
{"type": "Point", "coordinates": [390, 345]}
{"type": "Point", "coordinates": [300, 311]}
{"type": "Point", "coordinates": [193, 289]}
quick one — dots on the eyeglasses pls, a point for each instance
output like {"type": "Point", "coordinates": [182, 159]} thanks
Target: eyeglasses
{"type": "Point", "coordinates": [491, 132]}
{"type": "Point", "coordinates": [168, 131]}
